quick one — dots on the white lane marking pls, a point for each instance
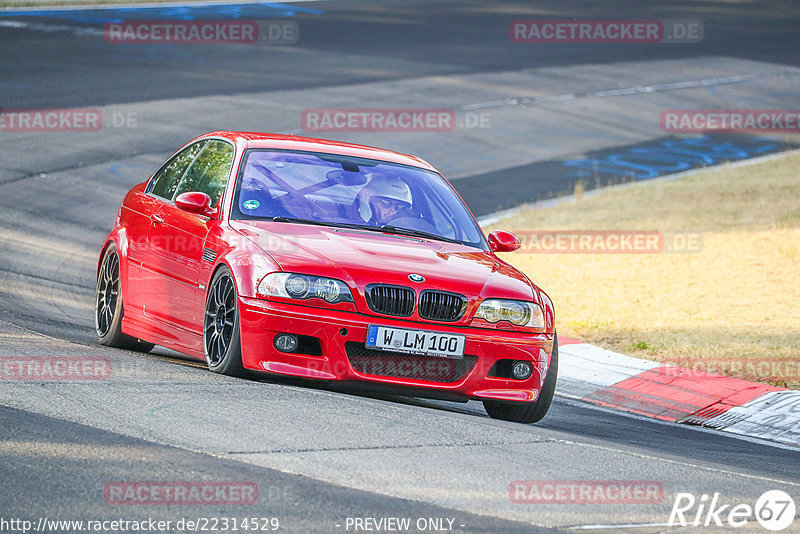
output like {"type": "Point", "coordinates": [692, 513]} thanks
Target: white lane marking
{"type": "Point", "coordinates": [40, 27]}
{"type": "Point", "coordinates": [545, 440]}
{"type": "Point", "coordinates": [474, 408]}
{"type": "Point", "coordinates": [578, 401]}
{"type": "Point", "coordinates": [626, 525]}
{"type": "Point", "coordinates": [91, 31]}
{"type": "Point", "coordinates": [45, 7]}
{"type": "Point", "coordinates": [317, 476]}
{"type": "Point", "coordinates": [626, 91]}
{"type": "Point", "coordinates": [675, 462]}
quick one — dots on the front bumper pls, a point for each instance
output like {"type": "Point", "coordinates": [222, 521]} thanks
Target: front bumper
{"type": "Point", "coordinates": [344, 356]}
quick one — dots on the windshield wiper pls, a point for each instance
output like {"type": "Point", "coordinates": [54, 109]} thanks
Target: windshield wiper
{"type": "Point", "coordinates": [388, 228]}
{"type": "Point", "coordinates": [298, 220]}
{"type": "Point", "coordinates": [351, 226]}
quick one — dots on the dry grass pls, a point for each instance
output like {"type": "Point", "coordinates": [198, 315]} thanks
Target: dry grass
{"type": "Point", "coordinates": [734, 307]}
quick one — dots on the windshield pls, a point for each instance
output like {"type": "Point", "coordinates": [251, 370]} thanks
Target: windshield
{"type": "Point", "coordinates": [342, 190]}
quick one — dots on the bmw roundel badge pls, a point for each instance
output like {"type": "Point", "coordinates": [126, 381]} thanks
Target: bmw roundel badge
{"type": "Point", "coordinates": [416, 278]}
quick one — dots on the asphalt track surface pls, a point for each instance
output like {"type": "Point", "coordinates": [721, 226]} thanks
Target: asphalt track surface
{"type": "Point", "coordinates": [320, 455]}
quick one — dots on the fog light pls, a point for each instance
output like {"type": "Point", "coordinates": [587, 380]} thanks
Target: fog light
{"type": "Point", "coordinates": [522, 370]}
{"type": "Point", "coordinates": [285, 342]}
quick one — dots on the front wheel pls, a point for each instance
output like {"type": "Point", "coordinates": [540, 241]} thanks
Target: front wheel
{"type": "Point", "coordinates": [108, 306]}
{"type": "Point", "coordinates": [221, 335]}
{"type": "Point", "coordinates": [529, 412]}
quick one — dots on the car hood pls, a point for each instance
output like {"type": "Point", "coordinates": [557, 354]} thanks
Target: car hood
{"type": "Point", "coordinates": [362, 257]}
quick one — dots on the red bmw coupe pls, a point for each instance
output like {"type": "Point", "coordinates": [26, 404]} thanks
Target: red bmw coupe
{"type": "Point", "coordinates": [330, 261]}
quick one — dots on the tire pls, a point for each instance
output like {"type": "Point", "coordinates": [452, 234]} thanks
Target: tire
{"type": "Point", "coordinates": [221, 334]}
{"type": "Point", "coordinates": [529, 412]}
{"type": "Point", "coordinates": [108, 308]}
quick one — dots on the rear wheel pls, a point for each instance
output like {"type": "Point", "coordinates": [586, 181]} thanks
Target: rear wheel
{"type": "Point", "coordinates": [221, 336]}
{"type": "Point", "coordinates": [108, 306]}
{"type": "Point", "coordinates": [529, 412]}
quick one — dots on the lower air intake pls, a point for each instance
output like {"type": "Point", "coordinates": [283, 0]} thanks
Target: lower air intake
{"type": "Point", "coordinates": [398, 365]}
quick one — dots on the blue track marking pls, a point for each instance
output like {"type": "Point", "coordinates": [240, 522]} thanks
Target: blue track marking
{"type": "Point", "coordinates": [643, 163]}
{"type": "Point", "coordinates": [488, 193]}
{"type": "Point", "coordinates": [103, 15]}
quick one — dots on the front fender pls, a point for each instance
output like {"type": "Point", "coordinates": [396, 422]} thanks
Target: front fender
{"type": "Point", "coordinates": [549, 311]}
{"type": "Point", "coordinates": [248, 263]}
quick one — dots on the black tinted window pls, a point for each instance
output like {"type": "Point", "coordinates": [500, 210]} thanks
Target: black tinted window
{"type": "Point", "coordinates": [166, 181]}
{"type": "Point", "coordinates": [209, 171]}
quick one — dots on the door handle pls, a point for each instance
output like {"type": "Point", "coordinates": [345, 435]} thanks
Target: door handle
{"type": "Point", "coordinates": [157, 219]}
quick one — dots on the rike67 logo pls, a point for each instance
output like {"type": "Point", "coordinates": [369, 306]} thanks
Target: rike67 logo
{"type": "Point", "coordinates": [774, 510]}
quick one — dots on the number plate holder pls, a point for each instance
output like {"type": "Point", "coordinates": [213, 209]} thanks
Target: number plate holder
{"type": "Point", "coordinates": [418, 342]}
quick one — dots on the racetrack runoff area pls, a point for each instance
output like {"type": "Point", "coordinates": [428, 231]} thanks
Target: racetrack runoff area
{"type": "Point", "coordinates": [668, 301]}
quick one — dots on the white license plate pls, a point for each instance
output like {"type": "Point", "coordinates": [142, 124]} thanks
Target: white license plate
{"type": "Point", "coordinates": [416, 342]}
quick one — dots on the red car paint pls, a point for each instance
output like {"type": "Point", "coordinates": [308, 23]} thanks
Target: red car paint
{"type": "Point", "coordinates": [166, 266]}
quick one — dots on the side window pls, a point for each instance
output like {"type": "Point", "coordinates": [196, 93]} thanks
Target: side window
{"type": "Point", "coordinates": [167, 179]}
{"type": "Point", "coordinates": [209, 172]}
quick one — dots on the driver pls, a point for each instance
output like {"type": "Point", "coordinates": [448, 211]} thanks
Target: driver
{"type": "Point", "coordinates": [384, 199]}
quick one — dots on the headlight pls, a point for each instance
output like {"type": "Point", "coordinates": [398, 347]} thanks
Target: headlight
{"type": "Point", "coordinates": [303, 286]}
{"type": "Point", "coordinates": [516, 312]}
